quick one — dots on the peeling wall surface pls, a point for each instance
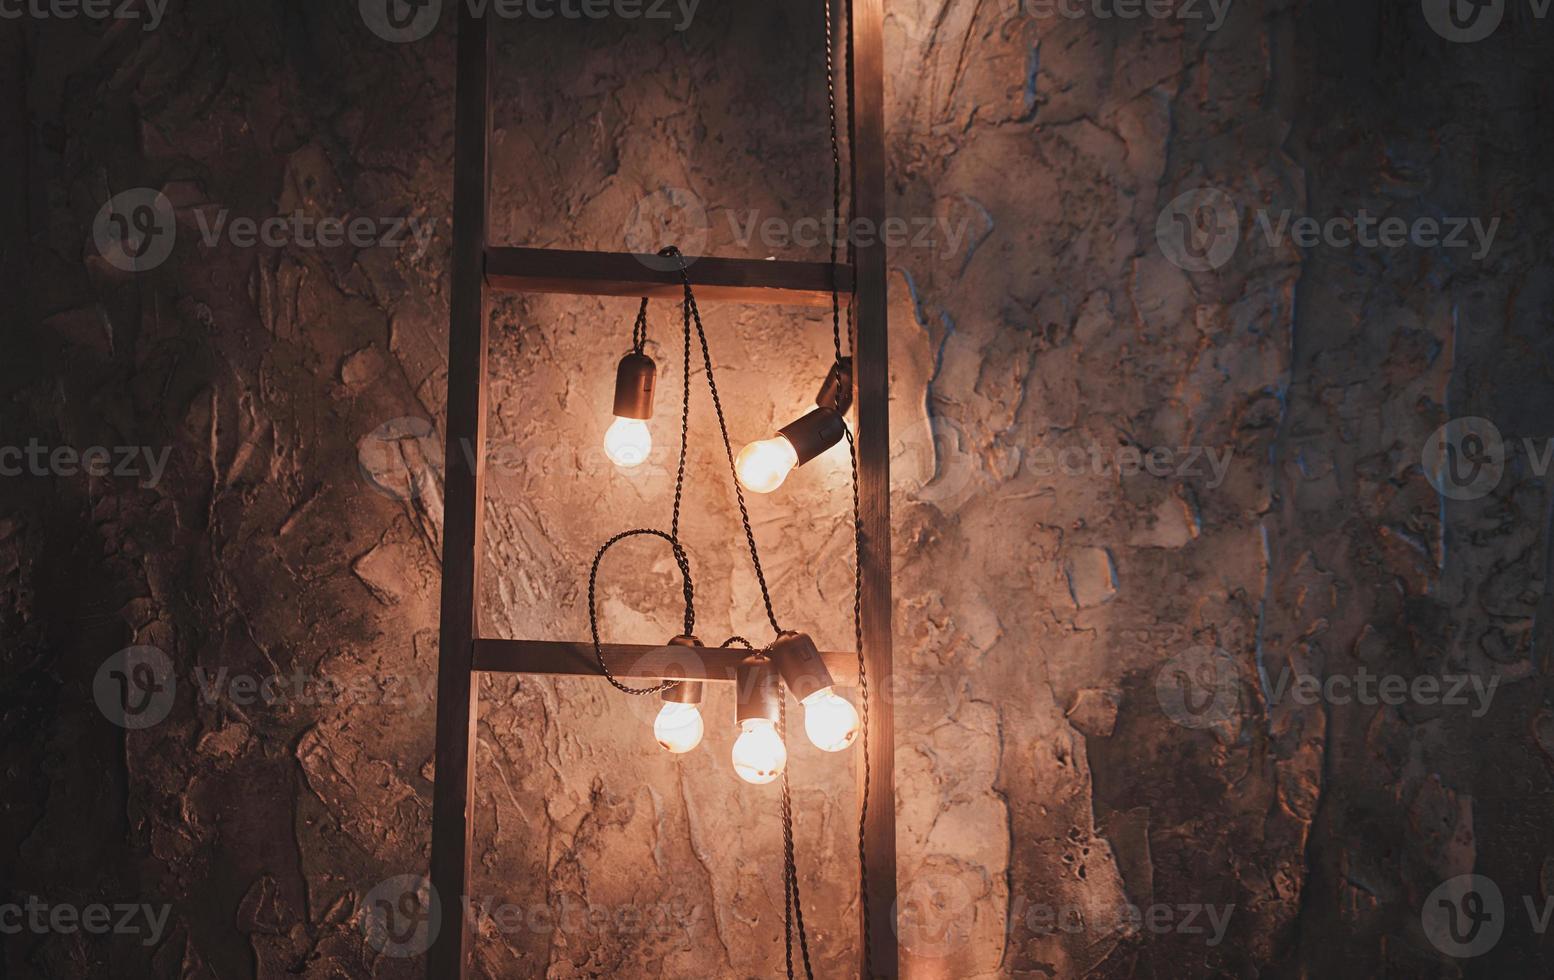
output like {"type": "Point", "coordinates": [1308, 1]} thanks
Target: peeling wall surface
{"type": "Point", "coordinates": [1221, 361]}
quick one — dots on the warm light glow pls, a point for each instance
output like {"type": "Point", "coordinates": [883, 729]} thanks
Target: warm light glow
{"type": "Point", "coordinates": [759, 755]}
{"type": "Point", "coordinates": [627, 442]}
{"type": "Point", "coordinates": [678, 727]}
{"type": "Point", "coordinates": [830, 721]}
{"type": "Point", "coordinates": [763, 465]}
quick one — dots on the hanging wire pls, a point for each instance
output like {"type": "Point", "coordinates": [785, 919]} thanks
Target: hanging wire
{"type": "Point", "coordinates": [845, 233]}
{"type": "Point", "coordinates": [685, 428]}
{"type": "Point", "coordinates": [863, 711]}
{"type": "Point", "coordinates": [693, 313]}
{"type": "Point", "coordinates": [639, 329]}
{"type": "Point", "coordinates": [794, 909]}
{"type": "Point", "coordinates": [793, 913]}
{"type": "Point", "coordinates": [794, 916]}
{"type": "Point", "coordinates": [639, 340]}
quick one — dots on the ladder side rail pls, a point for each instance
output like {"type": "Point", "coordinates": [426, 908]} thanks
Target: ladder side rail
{"type": "Point", "coordinates": [453, 800]}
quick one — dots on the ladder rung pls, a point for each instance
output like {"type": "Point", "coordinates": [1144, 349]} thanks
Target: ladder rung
{"type": "Point", "coordinates": [550, 270]}
{"type": "Point", "coordinates": [630, 660]}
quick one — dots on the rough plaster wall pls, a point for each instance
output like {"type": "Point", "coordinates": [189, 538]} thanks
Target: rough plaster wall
{"type": "Point", "coordinates": [1034, 612]}
{"type": "Point", "coordinates": [1371, 566]}
{"type": "Point", "coordinates": [1069, 330]}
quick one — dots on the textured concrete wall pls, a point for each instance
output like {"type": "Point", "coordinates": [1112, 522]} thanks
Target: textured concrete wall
{"type": "Point", "coordinates": [1139, 493]}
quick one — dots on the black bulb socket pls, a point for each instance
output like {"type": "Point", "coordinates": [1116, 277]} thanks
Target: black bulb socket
{"type": "Point", "coordinates": [800, 665]}
{"type": "Point", "coordinates": [758, 689]}
{"type": "Point", "coordinates": [686, 692]}
{"type": "Point", "coordinates": [815, 433]}
{"type": "Point", "coordinates": [635, 381]}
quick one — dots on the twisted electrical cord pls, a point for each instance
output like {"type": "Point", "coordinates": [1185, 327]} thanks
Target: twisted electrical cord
{"type": "Point", "coordinates": [863, 711]}
{"type": "Point", "coordinates": [639, 329]}
{"type": "Point", "coordinates": [693, 312]}
{"type": "Point", "coordinates": [852, 446]}
{"type": "Point", "coordinates": [593, 608]}
{"type": "Point", "coordinates": [685, 428]}
{"type": "Point", "coordinates": [638, 341]}
{"type": "Point", "coordinates": [793, 911]}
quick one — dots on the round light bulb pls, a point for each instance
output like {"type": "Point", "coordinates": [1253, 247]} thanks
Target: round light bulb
{"type": "Point", "coordinates": [830, 721]}
{"type": "Point", "coordinates": [759, 755]}
{"type": "Point", "coordinates": [627, 442]}
{"type": "Point", "coordinates": [763, 465]}
{"type": "Point", "coordinates": [678, 727]}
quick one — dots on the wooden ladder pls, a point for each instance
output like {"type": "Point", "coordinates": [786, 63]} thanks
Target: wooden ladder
{"type": "Point", "coordinates": [480, 268]}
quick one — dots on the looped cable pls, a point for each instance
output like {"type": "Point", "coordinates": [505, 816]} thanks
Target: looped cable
{"type": "Point", "coordinates": [593, 608]}
{"type": "Point", "coordinates": [794, 917]}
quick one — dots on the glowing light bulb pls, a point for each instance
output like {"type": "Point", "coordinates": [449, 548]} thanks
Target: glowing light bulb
{"type": "Point", "coordinates": [759, 755]}
{"type": "Point", "coordinates": [627, 442]}
{"type": "Point", "coordinates": [678, 727]}
{"type": "Point", "coordinates": [830, 721]}
{"type": "Point", "coordinates": [763, 465]}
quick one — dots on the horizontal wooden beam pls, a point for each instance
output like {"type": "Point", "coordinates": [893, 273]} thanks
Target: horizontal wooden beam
{"type": "Point", "coordinates": [631, 660]}
{"type": "Point", "coordinates": [552, 270]}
